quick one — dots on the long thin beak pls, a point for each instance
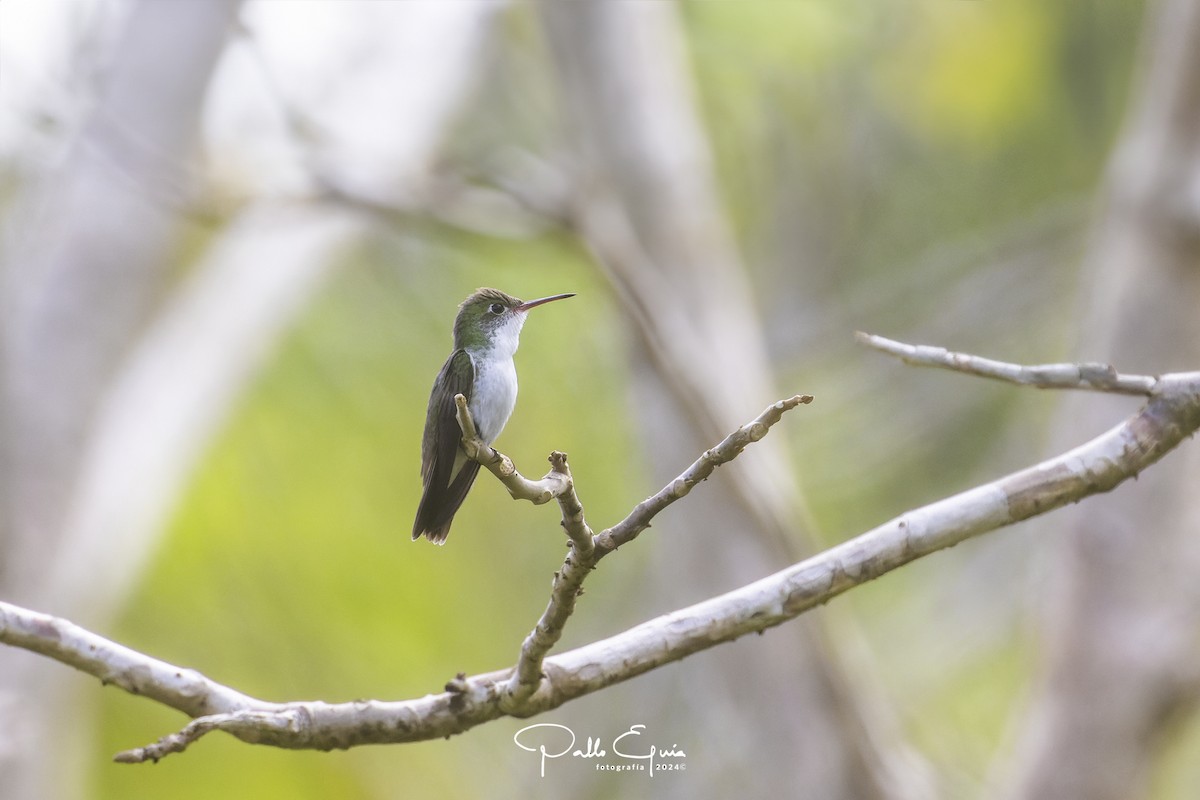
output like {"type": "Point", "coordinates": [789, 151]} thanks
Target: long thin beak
{"type": "Point", "coordinates": [534, 303]}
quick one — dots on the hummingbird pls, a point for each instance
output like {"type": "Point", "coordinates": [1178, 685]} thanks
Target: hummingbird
{"type": "Point", "coordinates": [486, 334]}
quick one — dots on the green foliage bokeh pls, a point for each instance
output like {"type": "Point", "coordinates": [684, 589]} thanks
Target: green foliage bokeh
{"type": "Point", "coordinates": [865, 135]}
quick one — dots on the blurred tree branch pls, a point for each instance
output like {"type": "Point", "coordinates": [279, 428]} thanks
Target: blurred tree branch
{"type": "Point", "coordinates": [121, 355]}
{"type": "Point", "coordinates": [85, 256]}
{"type": "Point", "coordinates": [1096, 377]}
{"type": "Point", "coordinates": [1121, 616]}
{"type": "Point", "coordinates": [646, 203]}
{"type": "Point", "coordinates": [538, 684]}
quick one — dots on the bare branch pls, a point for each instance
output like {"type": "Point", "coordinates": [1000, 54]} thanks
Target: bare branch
{"type": "Point", "coordinates": [568, 580]}
{"type": "Point", "coordinates": [1094, 376]}
{"type": "Point", "coordinates": [1171, 415]}
{"type": "Point", "coordinates": [567, 586]}
{"type": "Point", "coordinates": [177, 687]}
{"type": "Point", "coordinates": [443, 198]}
{"type": "Point", "coordinates": [572, 509]}
{"type": "Point", "coordinates": [639, 519]}
{"type": "Point", "coordinates": [521, 488]}
{"type": "Point", "coordinates": [586, 550]}
{"type": "Point", "coordinates": [245, 723]}
{"type": "Point", "coordinates": [521, 691]}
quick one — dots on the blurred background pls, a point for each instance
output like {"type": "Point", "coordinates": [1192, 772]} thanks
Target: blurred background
{"type": "Point", "coordinates": [235, 237]}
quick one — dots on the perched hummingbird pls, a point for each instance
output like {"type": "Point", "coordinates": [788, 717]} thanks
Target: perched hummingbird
{"type": "Point", "coordinates": [486, 334]}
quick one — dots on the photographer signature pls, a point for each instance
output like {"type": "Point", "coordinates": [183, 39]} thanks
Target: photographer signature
{"type": "Point", "coordinates": [532, 739]}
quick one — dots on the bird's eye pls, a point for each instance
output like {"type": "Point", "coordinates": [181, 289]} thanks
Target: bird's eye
{"type": "Point", "coordinates": [496, 308]}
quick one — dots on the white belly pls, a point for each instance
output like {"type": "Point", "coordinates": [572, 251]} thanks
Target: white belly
{"type": "Point", "coordinates": [494, 396]}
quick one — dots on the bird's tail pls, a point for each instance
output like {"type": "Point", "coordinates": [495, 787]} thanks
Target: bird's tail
{"type": "Point", "coordinates": [438, 506]}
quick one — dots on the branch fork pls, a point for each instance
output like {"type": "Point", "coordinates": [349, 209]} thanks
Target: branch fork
{"type": "Point", "coordinates": [556, 482]}
{"type": "Point", "coordinates": [585, 548]}
{"type": "Point", "coordinates": [539, 682]}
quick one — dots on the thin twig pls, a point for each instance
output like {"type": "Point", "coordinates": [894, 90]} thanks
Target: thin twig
{"type": "Point", "coordinates": [248, 725]}
{"type": "Point", "coordinates": [639, 519]}
{"type": "Point", "coordinates": [1092, 376]}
